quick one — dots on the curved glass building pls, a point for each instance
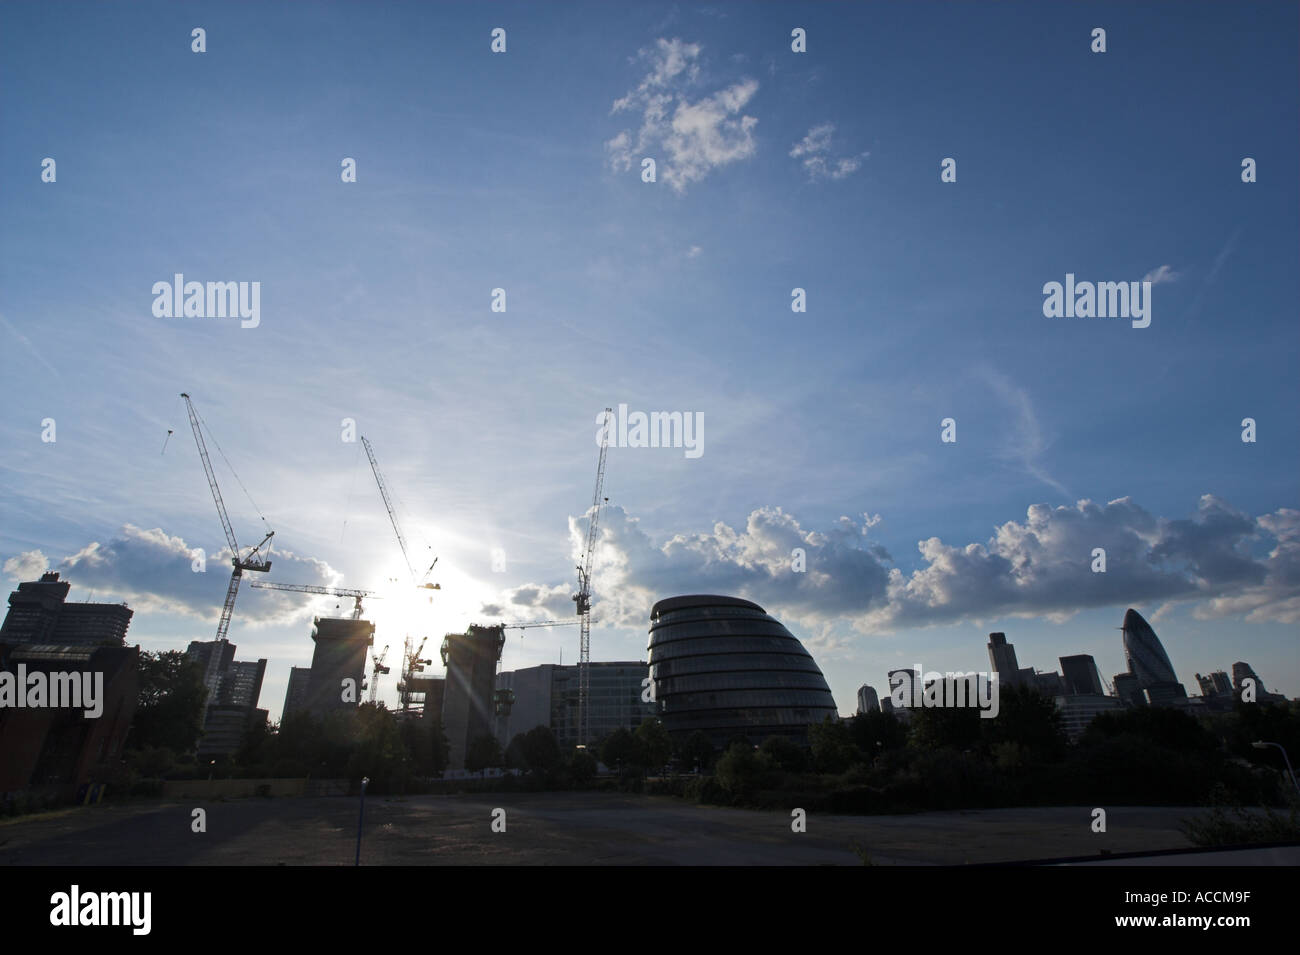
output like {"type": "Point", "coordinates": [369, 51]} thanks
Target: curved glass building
{"type": "Point", "coordinates": [1146, 656]}
{"type": "Point", "coordinates": [722, 665]}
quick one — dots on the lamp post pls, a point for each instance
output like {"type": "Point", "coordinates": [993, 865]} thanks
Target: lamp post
{"type": "Point", "coordinates": [1264, 744]}
{"type": "Point", "coordinates": [361, 816]}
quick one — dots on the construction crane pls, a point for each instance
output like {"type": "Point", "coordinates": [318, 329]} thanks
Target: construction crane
{"type": "Point", "coordinates": [254, 560]}
{"type": "Point", "coordinates": [583, 597]}
{"type": "Point", "coordinates": [411, 665]}
{"type": "Point", "coordinates": [541, 623]}
{"type": "Point", "coordinates": [356, 595]}
{"type": "Point", "coordinates": [392, 516]}
{"type": "Point", "coordinates": [377, 670]}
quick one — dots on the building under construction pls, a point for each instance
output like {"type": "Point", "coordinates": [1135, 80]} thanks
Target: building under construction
{"type": "Point", "coordinates": [340, 655]}
{"type": "Point", "coordinates": [467, 706]}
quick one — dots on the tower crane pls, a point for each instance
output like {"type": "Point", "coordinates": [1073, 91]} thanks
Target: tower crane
{"type": "Point", "coordinates": [356, 595]}
{"type": "Point", "coordinates": [583, 597]}
{"type": "Point", "coordinates": [411, 665]}
{"type": "Point", "coordinates": [254, 560]}
{"type": "Point", "coordinates": [377, 669]}
{"type": "Point", "coordinates": [541, 623]}
{"type": "Point", "coordinates": [392, 517]}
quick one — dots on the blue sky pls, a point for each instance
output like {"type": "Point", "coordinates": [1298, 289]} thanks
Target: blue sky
{"type": "Point", "coordinates": [775, 170]}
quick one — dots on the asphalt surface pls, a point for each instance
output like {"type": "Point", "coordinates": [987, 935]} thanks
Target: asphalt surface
{"type": "Point", "coordinates": [562, 829]}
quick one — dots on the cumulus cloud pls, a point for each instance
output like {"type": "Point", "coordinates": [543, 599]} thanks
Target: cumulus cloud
{"type": "Point", "coordinates": [152, 571]}
{"type": "Point", "coordinates": [815, 151]}
{"type": "Point", "coordinates": [28, 565]}
{"type": "Point", "coordinates": [1039, 567]}
{"type": "Point", "coordinates": [689, 138]}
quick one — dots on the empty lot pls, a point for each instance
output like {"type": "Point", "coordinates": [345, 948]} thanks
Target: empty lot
{"type": "Point", "coordinates": [562, 829]}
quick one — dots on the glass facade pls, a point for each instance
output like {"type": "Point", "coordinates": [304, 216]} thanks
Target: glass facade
{"type": "Point", "coordinates": [722, 665]}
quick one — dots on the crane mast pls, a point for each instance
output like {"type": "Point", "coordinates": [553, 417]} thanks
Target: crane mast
{"type": "Point", "coordinates": [583, 597]}
{"type": "Point", "coordinates": [253, 562]}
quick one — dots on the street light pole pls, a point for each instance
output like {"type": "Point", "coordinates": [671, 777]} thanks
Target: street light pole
{"type": "Point", "coordinates": [1264, 744]}
{"type": "Point", "coordinates": [361, 817]}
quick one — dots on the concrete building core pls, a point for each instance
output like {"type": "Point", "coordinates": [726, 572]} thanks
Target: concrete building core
{"type": "Point", "coordinates": [467, 711]}
{"type": "Point", "coordinates": [340, 654]}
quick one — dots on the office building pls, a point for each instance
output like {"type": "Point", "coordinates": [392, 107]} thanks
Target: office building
{"type": "Point", "coordinates": [1149, 663]}
{"type": "Point", "coordinates": [1080, 675]}
{"type": "Point", "coordinates": [297, 694]}
{"type": "Point", "coordinates": [1078, 710]}
{"type": "Point", "coordinates": [55, 750]}
{"type": "Point", "coordinates": [868, 700]}
{"type": "Point", "coordinates": [1002, 658]}
{"type": "Point", "coordinates": [725, 667]}
{"type": "Point", "coordinates": [1242, 672]}
{"type": "Point", "coordinates": [547, 695]}
{"type": "Point", "coordinates": [39, 612]}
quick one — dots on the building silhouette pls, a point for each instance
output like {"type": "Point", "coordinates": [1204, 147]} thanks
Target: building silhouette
{"type": "Point", "coordinates": [340, 655]}
{"type": "Point", "coordinates": [296, 693]}
{"type": "Point", "coordinates": [1080, 675]}
{"type": "Point", "coordinates": [725, 667]}
{"type": "Point", "coordinates": [230, 707]}
{"type": "Point", "coordinates": [55, 751]}
{"type": "Point", "coordinates": [1244, 671]}
{"type": "Point", "coordinates": [468, 711]}
{"type": "Point", "coordinates": [1149, 664]}
{"type": "Point", "coordinates": [1002, 658]}
{"type": "Point", "coordinates": [547, 695]}
{"type": "Point", "coordinates": [868, 700]}
{"type": "Point", "coordinates": [39, 612]}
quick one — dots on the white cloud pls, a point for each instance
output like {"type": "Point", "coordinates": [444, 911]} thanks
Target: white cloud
{"type": "Point", "coordinates": [28, 565]}
{"type": "Point", "coordinates": [1162, 274]}
{"type": "Point", "coordinates": [814, 150]}
{"type": "Point", "coordinates": [691, 139]}
{"type": "Point", "coordinates": [152, 572]}
{"type": "Point", "coordinates": [1039, 567]}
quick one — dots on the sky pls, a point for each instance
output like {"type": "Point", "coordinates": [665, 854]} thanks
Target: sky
{"type": "Point", "coordinates": [774, 170]}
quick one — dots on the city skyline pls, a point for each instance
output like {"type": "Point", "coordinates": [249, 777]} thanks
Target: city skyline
{"type": "Point", "coordinates": [777, 171]}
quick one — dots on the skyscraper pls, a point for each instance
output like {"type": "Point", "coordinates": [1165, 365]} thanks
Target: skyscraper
{"type": "Point", "coordinates": [867, 699]}
{"type": "Point", "coordinates": [1080, 675]}
{"type": "Point", "coordinates": [39, 613]}
{"type": "Point", "coordinates": [1002, 657]}
{"type": "Point", "coordinates": [1148, 662]}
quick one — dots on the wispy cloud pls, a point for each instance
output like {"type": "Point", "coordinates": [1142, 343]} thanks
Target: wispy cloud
{"type": "Point", "coordinates": [815, 151]}
{"type": "Point", "coordinates": [1162, 274]}
{"type": "Point", "coordinates": [26, 343]}
{"type": "Point", "coordinates": [1026, 443]}
{"type": "Point", "coordinates": [693, 138]}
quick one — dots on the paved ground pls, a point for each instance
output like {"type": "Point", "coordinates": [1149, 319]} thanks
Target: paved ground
{"type": "Point", "coordinates": [562, 829]}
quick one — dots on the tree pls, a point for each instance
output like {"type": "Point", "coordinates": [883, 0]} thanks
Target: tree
{"type": "Point", "coordinates": [1028, 719]}
{"type": "Point", "coordinates": [620, 750]}
{"type": "Point", "coordinates": [483, 752]}
{"type": "Point", "coordinates": [832, 746]}
{"type": "Point", "coordinates": [695, 751]}
{"type": "Point", "coordinates": [582, 766]}
{"type": "Point", "coordinates": [785, 754]}
{"type": "Point", "coordinates": [540, 750]}
{"type": "Point", "coordinates": [741, 769]}
{"type": "Point", "coordinates": [876, 732]}
{"type": "Point", "coordinates": [655, 743]}
{"type": "Point", "coordinates": [169, 708]}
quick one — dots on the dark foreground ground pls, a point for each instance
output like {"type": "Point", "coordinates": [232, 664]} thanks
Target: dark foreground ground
{"type": "Point", "coordinates": [562, 829]}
